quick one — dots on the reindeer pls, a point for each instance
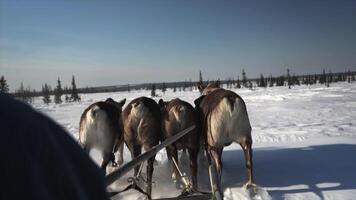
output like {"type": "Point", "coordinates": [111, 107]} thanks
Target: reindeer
{"type": "Point", "coordinates": [101, 127]}
{"type": "Point", "coordinates": [142, 128]}
{"type": "Point", "coordinates": [224, 120]}
{"type": "Point", "coordinates": [178, 115]}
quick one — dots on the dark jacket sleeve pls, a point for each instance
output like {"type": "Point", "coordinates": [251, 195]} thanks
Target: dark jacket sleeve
{"type": "Point", "coordinates": [39, 160]}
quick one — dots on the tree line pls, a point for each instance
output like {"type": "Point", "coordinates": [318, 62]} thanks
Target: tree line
{"type": "Point", "coordinates": [28, 95]}
{"type": "Point", "coordinates": [72, 93]}
{"type": "Point", "coordinates": [270, 81]}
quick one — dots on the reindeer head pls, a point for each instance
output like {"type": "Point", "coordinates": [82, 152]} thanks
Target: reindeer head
{"type": "Point", "coordinates": [118, 105]}
{"type": "Point", "coordinates": [204, 90]}
{"type": "Point", "coordinates": [201, 87]}
{"type": "Point", "coordinates": [163, 104]}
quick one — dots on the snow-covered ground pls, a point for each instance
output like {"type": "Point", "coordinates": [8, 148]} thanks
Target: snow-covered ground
{"type": "Point", "coordinates": [304, 142]}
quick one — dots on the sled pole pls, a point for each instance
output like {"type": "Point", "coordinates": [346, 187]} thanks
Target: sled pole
{"type": "Point", "coordinates": [112, 177]}
{"type": "Point", "coordinates": [184, 178]}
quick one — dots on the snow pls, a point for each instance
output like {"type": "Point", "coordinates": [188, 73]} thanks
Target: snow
{"type": "Point", "coordinates": [304, 143]}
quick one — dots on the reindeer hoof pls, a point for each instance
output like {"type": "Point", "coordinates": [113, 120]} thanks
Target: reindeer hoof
{"type": "Point", "coordinates": [250, 185]}
{"type": "Point", "coordinates": [251, 188]}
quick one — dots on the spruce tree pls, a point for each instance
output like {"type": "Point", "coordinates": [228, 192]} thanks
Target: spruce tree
{"type": "Point", "coordinates": [20, 93]}
{"type": "Point", "coordinates": [244, 78]}
{"type": "Point", "coordinates": [58, 92]}
{"type": "Point", "coordinates": [218, 82]}
{"type": "Point", "coordinates": [315, 80]}
{"type": "Point", "coordinates": [66, 98]}
{"type": "Point", "coordinates": [329, 79]}
{"type": "Point", "coordinates": [74, 93]}
{"type": "Point", "coordinates": [280, 81]}
{"type": "Point", "coordinates": [190, 85]}
{"type": "Point", "coordinates": [271, 81]}
{"type": "Point", "coordinates": [238, 85]}
{"type": "Point", "coordinates": [250, 86]}
{"type": "Point", "coordinates": [200, 78]}
{"type": "Point", "coordinates": [174, 87]}
{"type": "Point", "coordinates": [164, 88]}
{"type": "Point", "coordinates": [289, 79]}
{"type": "Point", "coordinates": [262, 82]}
{"type": "Point", "coordinates": [153, 90]}
{"type": "Point", "coordinates": [46, 94]}
{"type": "Point", "coordinates": [185, 85]}
{"type": "Point", "coordinates": [339, 77]}
{"type": "Point", "coordinates": [295, 80]}
{"type": "Point", "coordinates": [4, 87]}
{"type": "Point", "coordinates": [322, 79]}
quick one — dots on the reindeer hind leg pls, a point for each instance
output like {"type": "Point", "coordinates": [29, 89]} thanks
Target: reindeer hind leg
{"type": "Point", "coordinates": [246, 145]}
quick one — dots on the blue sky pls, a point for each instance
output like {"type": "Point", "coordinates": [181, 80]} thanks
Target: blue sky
{"type": "Point", "coordinates": [120, 42]}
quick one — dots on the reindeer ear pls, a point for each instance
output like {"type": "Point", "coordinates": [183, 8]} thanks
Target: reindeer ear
{"type": "Point", "coordinates": [198, 101]}
{"type": "Point", "coordinates": [110, 100]}
{"type": "Point", "coordinates": [216, 84]}
{"type": "Point", "coordinates": [122, 102]}
{"type": "Point", "coordinates": [201, 87]}
{"type": "Point", "coordinates": [161, 103]}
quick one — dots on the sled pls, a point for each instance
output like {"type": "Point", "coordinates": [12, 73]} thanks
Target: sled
{"type": "Point", "coordinates": [187, 194]}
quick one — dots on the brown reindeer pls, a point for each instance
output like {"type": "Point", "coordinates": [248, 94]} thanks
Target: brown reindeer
{"type": "Point", "coordinates": [101, 127]}
{"type": "Point", "coordinates": [178, 115]}
{"type": "Point", "coordinates": [225, 120]}
{"type": "Point", "coordinates": [142, 128]}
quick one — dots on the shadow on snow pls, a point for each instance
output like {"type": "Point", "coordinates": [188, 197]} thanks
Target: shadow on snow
{"type": "Point", "coordinates": [304, 168]}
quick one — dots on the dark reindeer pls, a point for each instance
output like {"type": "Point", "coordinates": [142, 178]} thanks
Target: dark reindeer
{"type": "Point", "coordinates": [178, 115]}
{"type": "Point", "coordinates": [224, 120]}
{"type": "Point", "coordinates": [142, 128]}
{"type": "Point", "coordinates": [101, 127]}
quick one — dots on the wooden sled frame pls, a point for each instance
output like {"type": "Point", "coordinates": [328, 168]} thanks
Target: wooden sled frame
{"type": "Point", "coordinates": [121, 171]}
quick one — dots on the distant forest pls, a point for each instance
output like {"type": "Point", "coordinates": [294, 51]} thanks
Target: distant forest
{"type": "Point", "coordinates": [244, 81]}
{"type": "Point", "coordinates": [72, 93]}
